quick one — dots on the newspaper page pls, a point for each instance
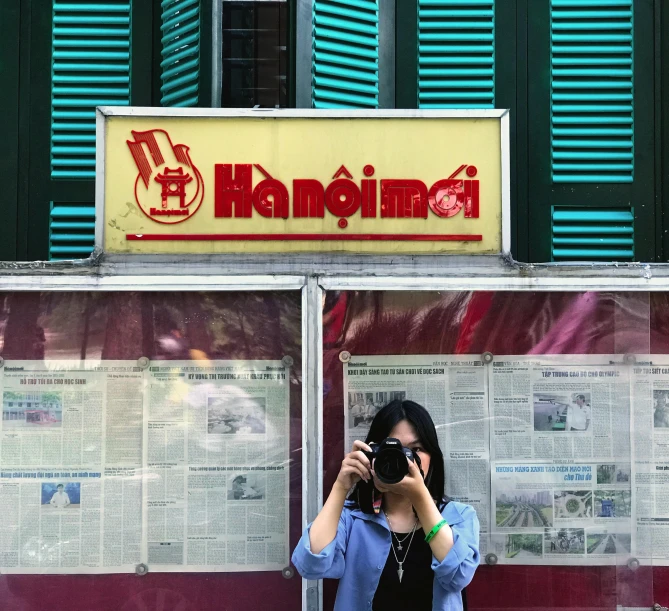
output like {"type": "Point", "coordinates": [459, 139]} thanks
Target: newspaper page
{"type": "Point", "coordinates": [561, 462]}
{"type": "Point", "coordinates": [454, 389]}
{"type": "Point", "coordinates": [216, 443]}
{"type": "Point", "coordinates": [650, 475]}
{"type": "Point", "coordinates": [70, 467]}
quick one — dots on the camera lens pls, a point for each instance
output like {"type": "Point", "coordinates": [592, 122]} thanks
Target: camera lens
{"type": "Point", "coordinates": [391, 466]}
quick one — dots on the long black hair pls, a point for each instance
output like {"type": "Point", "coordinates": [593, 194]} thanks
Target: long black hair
{"type": "Point", "coordinates": [385, 421]}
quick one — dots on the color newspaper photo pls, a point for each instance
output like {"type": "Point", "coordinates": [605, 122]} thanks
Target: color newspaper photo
{"type": "Point", "coordinates": [613, 474]}
{"type": "Point", "coordinates": [570, 504]}
{"type": "Point", "coordinates": [32, 410]}
{"type": "Point", "coordinates": [562, 412]}
{"type": "Point", "coordinates": [609, 543]}
{"type": "Point", "coordinates": [61, 495]}
{"type": "Point", "coordinates": [524, 509]}
{"type": "Point", "coordinates": [564, 541]}
{"type": "Point", "coordinates": [523, 547]}
{"type": "Point", "coordinates": [613, 503]}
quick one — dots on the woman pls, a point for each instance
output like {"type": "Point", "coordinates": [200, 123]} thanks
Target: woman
{"type": "Point", "coordinates": [375, 541]}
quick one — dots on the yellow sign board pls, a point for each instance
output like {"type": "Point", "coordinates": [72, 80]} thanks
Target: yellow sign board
{"type": "Point", "coordinates": [302, 181]}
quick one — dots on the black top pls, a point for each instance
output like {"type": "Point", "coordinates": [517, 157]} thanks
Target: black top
{"type": "Point", "coordinates": [414, 592]}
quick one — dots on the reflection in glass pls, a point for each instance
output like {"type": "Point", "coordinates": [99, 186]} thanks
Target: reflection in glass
{"type": "Point", "coordinates": [512, 323]}
{"type": "Point", "coordinates": [165, 326]}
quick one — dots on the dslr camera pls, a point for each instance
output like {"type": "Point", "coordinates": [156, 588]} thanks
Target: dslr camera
{"type": "Point", "coordinates": [390, 460]}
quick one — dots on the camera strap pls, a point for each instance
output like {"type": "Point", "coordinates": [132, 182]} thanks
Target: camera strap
{"type": "Point", "coordinates": [377, 499]}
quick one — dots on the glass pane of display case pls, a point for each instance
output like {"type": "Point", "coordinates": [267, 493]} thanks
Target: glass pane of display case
{"type": "Point", "coordinates": [150, 450]}
{"type": "Point", "coordinates": [542, 412]}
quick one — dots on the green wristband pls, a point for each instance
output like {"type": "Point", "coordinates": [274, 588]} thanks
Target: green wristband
{"type": "Point", "coordinates": [434, 531]}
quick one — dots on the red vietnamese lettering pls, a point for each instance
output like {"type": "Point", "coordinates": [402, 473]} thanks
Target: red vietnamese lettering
{"type": "Point", "coordinates": [342, 197]}
{"type": "Point", "coordinates": [447, 197]}
{"type": "Point", "coordinates": [234, 195]}
{"type": "Point", "coordinates": [368, 188]}
{"type": "Point", "coordinates": [270, 199]}
{"type": "Point", "coordinates": [471, 199]}
{"type": "Point", "coordinates": [342, 171]}
{"type": "Point", "coordinates": [308, 198]}
{"type": "Point", "coordinates": [403, 199]}
{"type": "Point", "coordinates": [232, 192]}
{"type": "Point", "coordinates": [168, 212]}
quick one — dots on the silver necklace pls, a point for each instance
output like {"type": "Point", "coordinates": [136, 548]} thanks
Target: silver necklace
{"type": "Point", "coordinates": [404, 538]}
{"type": "Point", "coordinates": [400, 570]}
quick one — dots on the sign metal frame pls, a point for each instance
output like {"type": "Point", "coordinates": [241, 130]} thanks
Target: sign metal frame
{"type": "Point", "coordinates": [118, 111]}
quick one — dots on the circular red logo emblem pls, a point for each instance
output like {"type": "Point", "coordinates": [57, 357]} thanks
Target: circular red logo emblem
{"type": "Point", "coordinates": [169, 187]}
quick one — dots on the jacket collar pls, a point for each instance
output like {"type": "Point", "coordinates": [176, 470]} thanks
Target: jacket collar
{"type": "Point", "coordinates": [450, 513]}
{"type": "Point", "coordinates": [379, 518]}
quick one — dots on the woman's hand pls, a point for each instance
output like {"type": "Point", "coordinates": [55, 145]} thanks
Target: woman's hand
{"type": "Point", "coordinates": [411, 486]}
{"type": "Point", "coordinates": [354, 467]}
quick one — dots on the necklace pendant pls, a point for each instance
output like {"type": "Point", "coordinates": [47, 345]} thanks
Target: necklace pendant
{"type": "Point", "coordinates": [399, 547]}
{"type": "Point", "coordinates": [400, 572]}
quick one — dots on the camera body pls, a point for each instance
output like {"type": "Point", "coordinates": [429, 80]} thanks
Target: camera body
{"type": "Point", "coordinates": [390, 460]}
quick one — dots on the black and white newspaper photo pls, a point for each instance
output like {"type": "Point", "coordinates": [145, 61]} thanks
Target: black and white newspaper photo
{"type": "Point", "coordinates": [216, 439]}
{"type": "Point", "coordinates": [561, 459]}
{"type": "Point", "coordinates": [71, 467]}
{"type": "Point", "coordinates": [454, 389]}
{"type": "Point", "coordinates": [650, 396]}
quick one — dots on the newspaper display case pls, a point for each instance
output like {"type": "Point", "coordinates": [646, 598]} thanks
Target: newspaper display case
{"type": "Point", "coordinates": [233, 376]}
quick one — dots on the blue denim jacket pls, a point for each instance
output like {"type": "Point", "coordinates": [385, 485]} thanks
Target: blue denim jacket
{"type": "Point", "coordinates": [359, 551]}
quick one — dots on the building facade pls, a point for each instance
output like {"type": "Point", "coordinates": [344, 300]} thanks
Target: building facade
{"type": "Point", "coordinates": [585, 82]}
{"type": "Point", "coordinates": [197, 406]}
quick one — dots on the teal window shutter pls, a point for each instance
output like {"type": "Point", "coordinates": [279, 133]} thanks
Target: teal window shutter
{"type": "Point", "coordinates": [180, 65]}
{"type": "Point", "coordinates": [592, 233]}
{"type": "Point", "coordinates": [71, 230]}
{"type": "Point", "coordinates": [592, 91]}
{"type": "Point", "coordinates": [591, 131]}
{"type": "Point", "coordinates": [90, 49]}
{"type": "Point", "coordinates": [345, 62]}
{"type": "Point", "coordinates": [90, 67]}
{"type": "Point", "coordinates": [456, 53]}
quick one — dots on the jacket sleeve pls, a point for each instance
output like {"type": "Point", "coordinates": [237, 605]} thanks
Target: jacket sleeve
{"type": "Point", "coordinates": [457, 569]}
{"type": "Point", "coordinates": [330, 562]}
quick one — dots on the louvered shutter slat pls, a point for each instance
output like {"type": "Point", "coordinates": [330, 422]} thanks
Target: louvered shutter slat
{"type": "Point", "coordinates": [71, 231]}
{"type": "Point", "coordinates": [451, 57]}
{"type": "Point", "coordinates": [81, 43]}
{"type": "Point", "coordinates": [365, 67]}
{"type": "Point", "coordinates": [180, 53]}
{"type": "Point", "coordinates": [589, 81]}
{"type": "Point", "coordinates": [595, 233]}
{"type": "Point", "coordinates": [345, 62]}
{"type": "Point", "coordinates": [90, 48]}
